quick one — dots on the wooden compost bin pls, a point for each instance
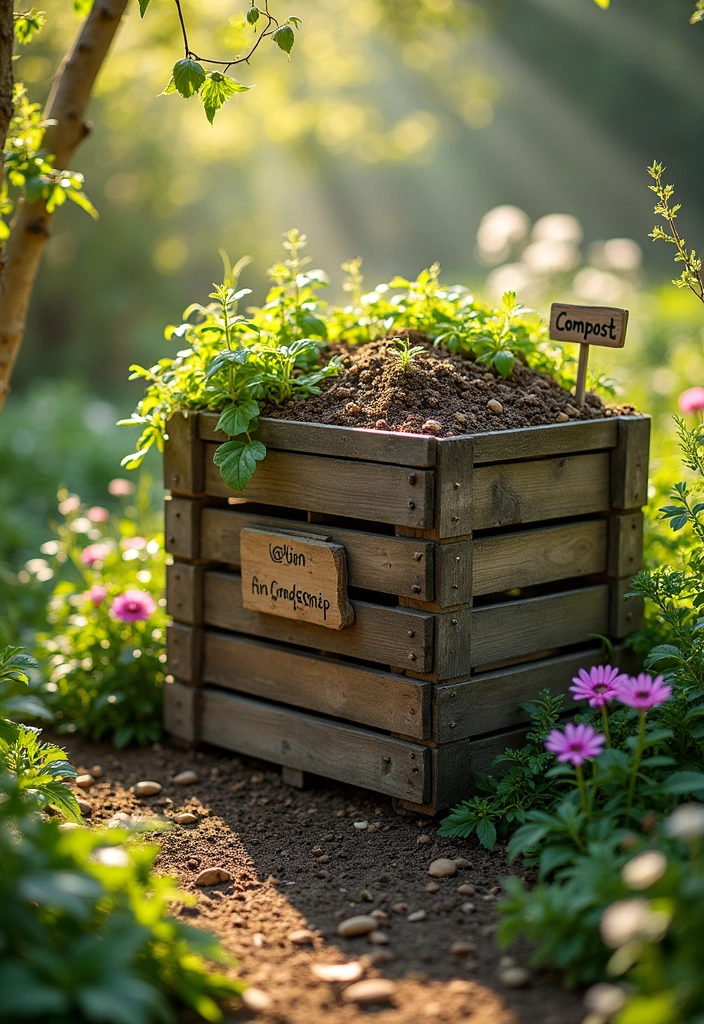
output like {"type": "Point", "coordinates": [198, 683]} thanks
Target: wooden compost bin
{"type": "Point", "coordinates": [480, 569]}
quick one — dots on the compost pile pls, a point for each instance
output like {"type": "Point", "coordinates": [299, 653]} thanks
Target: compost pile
{"type": "Point", "coordinates": [441, 394]}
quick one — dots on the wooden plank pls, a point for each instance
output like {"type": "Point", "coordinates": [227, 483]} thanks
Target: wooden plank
{"type": "Point", "coordinates": [453, 647]}
{"type": "Point", "coordinates": [184, 652]}
{"type": "Point", "coordinates": [629, 463]}
{"type": "Point", "coordinates": [182, 712]}
{"type": "Point", "coordinates": [549, 439]}
{"type": "Point", "coordinates": [625, 544]}
{"type": "Point", "coordinates": [361, 490]}
{"type": "Point", "coordinates": [341, 689]}
{"type": "Point", "coordinates": [626, 613]}
{"type": "Point", "coordinates": [375, 561]}
{"type": "Point", "coordinates": [454, 570]}
{"type": "Point", "coordinates": [518, 628]}
{"type": "Point", "coordinates": [530, 557]}
{"type": "Point", "coordinates": [526, 492]}
{"type": "Point", "coordinates": [453, 489]}
{"type": "Point", "coordinates": [344, 442]}
{"type": "Point", "coordinates": [589, 325]}
{"type": "Point", "coordinates": [181, 526]}
{"type": "Point", "coordinates": [388, 636]}
{"type": "Point", "coordinates": [322, 746]}
{"type": "Point", "coordinates": [184, 592]}
{"type": "Point", "coordinates": [183, 455]}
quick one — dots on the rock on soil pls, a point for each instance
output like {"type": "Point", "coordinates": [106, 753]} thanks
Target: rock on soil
{"type": "Point", "coordinates": [147, 788]}
{"type": "Point", "coordinates": [186, 778]}
{"type": "Point", "coordinates": [213, 876]}
{"type": "Point", "coordinates": [362, 924]}
{"type": "Point", "coordinates": [374, 990]}
{"type": "Point", "coordinates": [443, 867]}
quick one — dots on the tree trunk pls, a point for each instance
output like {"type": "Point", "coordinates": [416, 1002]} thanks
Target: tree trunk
{"type": "Point", "coordinates": [6, 77]}
{"type": "Point", "coordinates": [67, 105]}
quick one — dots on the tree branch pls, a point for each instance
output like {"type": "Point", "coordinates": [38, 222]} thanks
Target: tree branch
{"type": "Point", "coordinates": [67, 105]}
{"type": "Point", "coordinates": [6, 75]}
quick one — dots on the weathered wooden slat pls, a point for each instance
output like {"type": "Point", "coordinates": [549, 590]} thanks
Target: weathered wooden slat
{"type": "Point", "coordinates": [517, 628]}
{"type": "Point", "coordinates": [383, 700]}
{"type": "Point", "coordinates": [453, 646]}
{"type": "Point", "coordinates": [629, 463]}
{"type": "Point", "coordinates": [541, 442]}
{"type": "Point", "coordinates": [184, 592]}
{"type": "Point", "coordinates": [626, 612]}
{"type": "Point", "coordinates": [183, 455]}
{"type": "Point", "coordinates": [528, 558]}
{"type": "Point", "coordinates": [343, 487]}
{"type": "Point", "coordinates": [625, 544]}
{"type": "Point", "coordinates": [322, 746]}
{"type": "Point", "coordinates": [387, 636]}
{"type": "Point", "coordinates": [528, 492]}
{"type": "Point", "coordinates": [184, 652]}
{"type": "Point", "coordinates": [453, 489]}
{"type": "Point", "coordinates": [387, 564]}
{"type": "Point", "coordinates": [182, 712]}
{"type": "Point", "coordinates": [182, 527]}
{"type": "Point", "coordinates": [343, 442]}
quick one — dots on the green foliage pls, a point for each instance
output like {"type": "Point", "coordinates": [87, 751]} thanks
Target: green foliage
{"type": "Point", "coordinates": [691, 276]}
{"type": "Point", "coordinates": [698, 14]}
{"type": "Point", "coordinates": [27, 24]}
{"type": "Point", "coordinates": [187, 76]}
{"type": "Point", "coordinates": [216, 89]}
{"type": "Point", "coordinates": [85, 928]}
{"type": "Point", "coordinates": [604, 4]}
{"type": "Point", "coordinates": [405, 353]}
{"type": "Point", "coordinates": [524, 786]}
{"type": "Point", "coordinates": [104, 674]}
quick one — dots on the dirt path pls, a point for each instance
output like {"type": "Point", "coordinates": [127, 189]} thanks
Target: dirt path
{"type": "Point", "coordinates": [299, 862]}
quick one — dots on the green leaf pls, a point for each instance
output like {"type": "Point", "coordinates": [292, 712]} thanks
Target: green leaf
{"type": "Point", "coordinates": [27, 25]}
{"type": "Point", "coordinates": [486, 834]}
{"type": "Point", "coordinates": [603, 4]}
{"type": "Point", "coordinates": [524, 839]}
{"type": "Point", "coordinates": [503, 361]}
{"type": "Point", "coordinates": [82, 7]}
{"type": "Point", "coordinates": [216, 89]}
{"type": "Point", "coordinates": [284, 38]}
{"type": "Point", "coordinates": [236, 418]}
{"type": "Point", "coordinates": [312, 324]}
{"type": "Point", "coordinates": [253, 15]}
{"type": "Point", "coordinates": [684, 782]}
{"type": "Point", "coordinates": [82, 200]}
{"type": "Point", "coordinates": [188, 76]}
{"type": "Point", "coordinates": [237, 462]}
{"type": "Point", "coordinates": [143, 4]}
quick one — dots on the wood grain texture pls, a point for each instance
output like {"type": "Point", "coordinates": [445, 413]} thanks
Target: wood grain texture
{"type": "Point", "coordinates": [387, 636]}
{"type": "Point", "coordinates": [626, 612]}
{"type": "Point", "coordinates": [182, 712]}
{"type": "Point", "coordinates": [184, 652]}
{"type": "Point", "coordinates": [343, 487]}
{"type": "Point", "coordinates": [629, 463]}
{"type": "Point", "coordinates": [453, 488]}
{"type": "Point", "coordinates": [184, 592]}
{"type": "Point", "coordinates": [379, 562]}
{"type": "Point", "coordinates": [322, 746]}
{"type": "Point", "coordinates": [330, 686]}
{"type": "Point", "coordinates": [527, 558]}
{"type": "Point", "coordinates": [183, 455]}
{"type": "Point", "coordinates": [625, 544]}
{"type": "Point", "coordinates": [528, 492]}
{"type": "Point", "coordinates": [541, 442]}
{"type": "Point", "coordinates": [182, 526]}
{"type": "Point", "coordinates": [344, 442]}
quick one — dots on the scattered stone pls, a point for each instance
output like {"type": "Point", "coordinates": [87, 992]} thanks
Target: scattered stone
{"type": "Point", "coordinates": [443, 867]}
{"type": "Point", "coordinates": [213, 876]}
{"type": "Point", "coordinates": [432, 887]}
{"type": "Point", "coordinates": [378, 938]}
{"type": "Point", "coordinates": [378, 957]}
{"type": "Point", "coordinates": [382, 425]}
{"type": "Point", "coordinates": [400, 908]}
{"type": "Point", "coordinates": [571, 411]}
{"type": "Point", "coordinates": [361, 825]}
{"type": "Point", "coordinates": [417, 915]}
{"type": "Point", "coordinates": [256, 1000]}
{"type": "Point", "coordinates": [467, 908]}
{"type": "Point", "coordinates": [84, 807]}
{"type": "Point", "coordinates": [97, 771]}
{"type": "Point", "coordinates": [362, 924]}
{"type": "Point", "coordinates": [344, 392]}
{"type": "Point", "coordinates": [466, 889]}
{"type": "Point", "coordinates": [461, 863]}
{"type": "Point", "coordinates": [84, 781]}
{"type": "Point", "coordinates": [185, 818]}
{"type": "Point", "coordinates": [514, 977]}
{"type": "Point", "coordinates": [432, 426]}
{"type": "Point", "coordinates": [258, 939]}
{"type": "Point", "coordinates": [424, 839]}
{"type": "Point", "coordinates": [495, 890]}
{"type": "Point", "coordinates": [461, 418]}
{"type": "Point", "coordinates": [186, 778]}
{"type": "Point", "coordinates": [459, 987]}
{"type": "Point", "coordinates": [373, 990]}
{"type": "Point", "coordinates": [146, 788]}
{"type": "Point", "coordinates": [561, 417]}
{"type": "Point", "coordinates": [349, 972]}
{"type": "Point", "coordinates": [324, 859]}
{"type": "Point", "coordinates": [352, 409]}
{"type": "Point", "coordinates": [494, 406]}
{"type": "Point", "coordinates": [68, 826]}
{"type": "Point", "coordinates": [463, 947]}
{"type": "Point", "coordinates": [316, 851]}
{"type": "Point", "coordinates": [302, 937]}
{"type": "Point", "coordinates": [379, 915]}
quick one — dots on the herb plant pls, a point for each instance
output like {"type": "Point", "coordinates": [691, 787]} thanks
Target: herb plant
{"type": "Point", "coordinates": [691, 276]}
{"type": "Point", "coordinates": [405, 353]}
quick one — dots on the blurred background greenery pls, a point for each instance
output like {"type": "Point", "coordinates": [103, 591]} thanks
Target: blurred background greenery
{"type": "Point", "coordinates": [393, 131]}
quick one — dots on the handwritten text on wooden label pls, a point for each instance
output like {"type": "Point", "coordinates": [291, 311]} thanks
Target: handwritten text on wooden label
{"type": "Point", "coordinates": [589, 325]}
{"type": "Point", "coordinates": [295, 576]}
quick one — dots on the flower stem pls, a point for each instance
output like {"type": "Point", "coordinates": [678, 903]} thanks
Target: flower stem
{"type": "Point", "coordinates": [605, 720]}
{"type": "Point", "coordinates": [636, 760]}
{"type": "Point", "coordinates": [582, 790]}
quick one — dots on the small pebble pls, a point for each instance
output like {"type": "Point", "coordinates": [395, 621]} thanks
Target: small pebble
{"type": "Point", "coordinates": [495, 890]}
{"type": "Point", "coordinates": [97, 771]}
{"type": "Point", "coordinates": [324, 859]}
{"type": "Point", "coordinates": [352, 409]}
{"type": "Point", "coordinates": [514, 977]}
{"type": "Point", "coordinates": [494, 406]}
{"type": "Point", "coordinates": [424, 839]}
{"type": "Point", "coordinates": [461, 863]}
{"type": "Point", "coordinates": [378, 957]}
{"type": "Point", "coordinates": [571, 411]}
{"type": "Point", "coordinates": [68, 826]}
{"type": "Point", "coordinates": [467, 908]}
{"type": "Point", "coordinates": [459, 987]}
{"type": "Point", "coordinates": [432, 887]}
{"type": "Point", "coordinates": [373, 990]}
{"type": "Point", "coordinates": [344, 392]}
{"type": "Point", "coordinates": [562, 417]}
{"type": "Point", "coordinates": [417, 915]}
{"type": "Point", "coordinates": [146, 788]}
{"type": "Point", "coordinates": [84, 781]}
{"type": "Point", "coordinates": [432, 426]}
{"type": "Point", "coordinates": [443, 867]}
{"type": "Point", "coordinates": [400, 908]}
{"type": "Point", "coordinates": [461, 418]}
{"type": "Point", "coordinates": [213, 876]}
{"type": "Point", "coordinates": [186, 778]}
{"type": "Point", "coordinates": [316, 851]}
{"type": "Point", "coordinates": [379, 915]}
{"type": "Point", "coordinates": [349, 972]}
{"type": "Point", "coordinates": [463, 947]}
{"type": "Point", "coordinates": [362, 924]}
{"type": "Point", "coordinates": [466, 889]}
{"type": "Point", "coordinates": [256, 1000]}
{"type": "Point", "coordinates": [302, 937]}
{"type": "Point", "coordinates": [185, 818]}
{"type": "Point", "coordinates": [378, 938]}
{"type": "Point", "coordinates": [84, 807]}
{"type": "Point", "coordinates": [361, 825]}
{"type": "Point", "coordinates": [382, 425]}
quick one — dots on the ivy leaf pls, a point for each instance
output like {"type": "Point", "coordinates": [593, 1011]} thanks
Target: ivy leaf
{"type": "Point", "coordinates": [237, 462]}
{"type": "Point", "coordinates": [143, 4]}
{"type": "Point", "coordinates": [216, 89]}
{"type": "Point", "coordinates": [284, 38]}
{"type": "Point", "coordinates": [188, 76]}
{"type": "Point", "coordinates": [236, 418]}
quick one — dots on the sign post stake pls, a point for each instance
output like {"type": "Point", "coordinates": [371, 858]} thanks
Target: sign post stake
{"type": "Point", "coordinates": [587, 325]}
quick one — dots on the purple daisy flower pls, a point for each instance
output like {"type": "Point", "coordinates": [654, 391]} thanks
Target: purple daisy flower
{"type": "Point", "coordinates": [577, 744]}
{"type": "Point", "coordinates": [642, 691]}
{"type": "Point", "coordinates": [597, 685]}
{"type": "Point", "coordinates": [133, 606]}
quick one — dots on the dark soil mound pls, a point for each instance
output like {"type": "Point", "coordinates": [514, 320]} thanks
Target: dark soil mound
{"type": "Point", "coordinates": [440, 394]}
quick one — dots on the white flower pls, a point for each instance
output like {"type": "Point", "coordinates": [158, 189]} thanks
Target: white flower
{"type": "Point", "coordinates": [628, 920]}
{"type": "Point", "coordinates": [604, 1000]}
{"type": "Point", "coordinates": [644, 870]}
{"type": "Point", "coordinates": [686, 822]}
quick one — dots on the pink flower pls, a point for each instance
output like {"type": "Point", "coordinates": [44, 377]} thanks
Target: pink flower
{"type": "Point", "coordinates": [98, 514]}
{"type": "Point", "coordinates": [642, 691]}
{"type": "Point", "coordinates": [69, 505]}
{"type": "Point", "coordinates": [133, 543]}
{"type": "Point", "coordinates": [577, 744]}
{"type": "Point", "coordinates": [596, 685]}
{"type": "Point", "coordinates": [94, 553]}
{"type": "Point", "coordinates": [133, 606]}
{"type": "Point", "coordinates": [692, 400]}
{"type": "Point", "coordinates": [97, 594]}
{"type": "Point", "coordinates": [120, 488]}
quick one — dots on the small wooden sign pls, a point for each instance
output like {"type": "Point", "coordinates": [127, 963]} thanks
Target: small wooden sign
{"type": "Point", "coordinates": [587, 325]}
{"type": "Point", "coordinates": [296, 576]}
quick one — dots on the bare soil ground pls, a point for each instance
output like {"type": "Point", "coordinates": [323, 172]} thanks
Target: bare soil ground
{"type": "Point", "coordinates": [299, 862]}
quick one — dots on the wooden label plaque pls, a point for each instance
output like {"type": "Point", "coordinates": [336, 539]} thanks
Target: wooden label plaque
{"type": "Point", "coordinates": [589, 325]}
{"type": "Point", "coordinates": [296, 576]}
